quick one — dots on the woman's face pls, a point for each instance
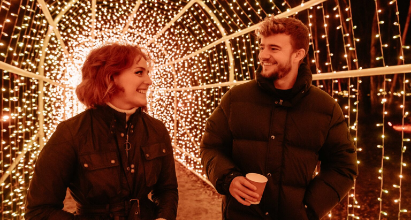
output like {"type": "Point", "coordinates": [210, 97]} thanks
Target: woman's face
{"type": "Point", "coordinates": [132, 86]}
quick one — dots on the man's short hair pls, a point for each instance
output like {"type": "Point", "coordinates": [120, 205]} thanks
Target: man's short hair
{"type": "Point", "coordinates": [101, 65]}
{"type": "Point", "coordinates": [295, 28]}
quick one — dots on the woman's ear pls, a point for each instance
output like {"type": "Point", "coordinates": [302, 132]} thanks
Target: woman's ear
{"type": "Point", "coordinates": [113, 77]}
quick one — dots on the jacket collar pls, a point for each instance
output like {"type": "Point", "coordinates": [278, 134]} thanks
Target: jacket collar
{"type": "Point", "coordinates": [301, 85]}
{"type": "Point", "coordinates": [110, 115]}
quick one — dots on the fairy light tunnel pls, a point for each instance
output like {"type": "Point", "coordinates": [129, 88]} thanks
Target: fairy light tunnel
{"type": "Point", "coordinates": [201, 48]}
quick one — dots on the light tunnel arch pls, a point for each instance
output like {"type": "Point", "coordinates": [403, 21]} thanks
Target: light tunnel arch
{"type": "Point", "coordinates": [53, 28]}
{"type": "Point", "coordinates": [177, 119]}
{"type": "Point", "coordinates": [171, 63]}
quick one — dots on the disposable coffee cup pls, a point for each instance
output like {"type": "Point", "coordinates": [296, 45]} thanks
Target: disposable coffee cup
{"type": "Point", "coordinates": [259, 181]}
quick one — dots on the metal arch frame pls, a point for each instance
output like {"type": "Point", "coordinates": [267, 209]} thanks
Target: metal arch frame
{"type": "Point", "coordinates": [227, 42]}
{"type": "Point", "coordinates": [53, 24]}
{"type": "Point", "coordinates": [41, 78]}
{"type": "Point", "coordinates": [93, 19]}
{"type": "Point", "coordinates": [47, 38]}
{"type": "Point", "coordinates": [25, 73]}
{"type": "Point", "coordinates": [176, 118]}
{"type": "Point", "coordinates": [376, 71]}
{"type": "Point", "coordinates": [290, 12]}
{"type": "Point", "coordinates": [226, 38]}
{"type": "Point", "coordinates": [130, 18]}
{"type": "Point", "coordinates": [171, 22]}
{"type": "Point", "coordinates": [230, 57]}
{"type": "Point", "coordinates": [346, 74]}
{"type": "Point", "coordinates": [174, 85]}
{"type": "Point", "coordinates": [52, 27]}
{"type": "Point", "coordinates": [18, 158]}
{"type": "Point", "coordinates": [213, 17]}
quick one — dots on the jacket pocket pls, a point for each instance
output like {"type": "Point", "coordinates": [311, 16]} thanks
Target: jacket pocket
{"type": "Point", "coordinates": [154, 155]}
{"type": "Point", "coordinates": [102, 173]}
{"type": "Point", "coordinates": [234, 210]}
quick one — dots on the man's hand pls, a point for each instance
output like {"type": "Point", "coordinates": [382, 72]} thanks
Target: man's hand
{"type": "Point", "coordinates": [243, 191]}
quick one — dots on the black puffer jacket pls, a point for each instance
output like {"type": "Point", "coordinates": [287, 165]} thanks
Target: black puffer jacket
{"type": "Point", "coordinates": [86, 153]}
{"type": "Point", "coordinates": [253, 130]}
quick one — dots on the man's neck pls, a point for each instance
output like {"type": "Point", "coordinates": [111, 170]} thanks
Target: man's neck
{"type": "Point", "coordinates": [288, 81]}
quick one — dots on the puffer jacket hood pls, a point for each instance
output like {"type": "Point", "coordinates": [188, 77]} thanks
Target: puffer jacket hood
{"type": "Point", "coordinates": [302, 84]}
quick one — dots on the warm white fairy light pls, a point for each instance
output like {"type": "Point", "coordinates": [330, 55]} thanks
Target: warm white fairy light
{"type": "Point", "coordinates": [347, 97]}
{"type": "Point", "coordinates": [396, 40]}
{"type": "Point", "coordinates": [189, 109]}
{"type": "Point", "coordinates": [383, 102]}
{"type": "Point", "coordinates": [19, 103]}
{"type": "Point", "coordinates": [353, 95]}
{"type": "Point", "coordinates": [402, 93]}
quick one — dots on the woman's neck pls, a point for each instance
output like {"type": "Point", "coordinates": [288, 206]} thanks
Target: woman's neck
{"type": "Point", "coordinates": [128, 112]}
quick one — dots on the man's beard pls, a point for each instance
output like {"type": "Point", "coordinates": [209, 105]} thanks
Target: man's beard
{"type": "Point", "coordinates": [280, 72]}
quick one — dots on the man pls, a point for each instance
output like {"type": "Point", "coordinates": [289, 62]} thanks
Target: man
{"type": "Point", "coordinates": [280, 126]}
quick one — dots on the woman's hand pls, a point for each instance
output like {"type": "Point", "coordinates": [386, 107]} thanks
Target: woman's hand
{"type": "Point", "coordinates": [243, 191]}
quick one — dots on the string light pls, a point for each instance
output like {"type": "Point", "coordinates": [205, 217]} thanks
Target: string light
{"type": "Point", "coordinates": [383, 102]}
{"type": "Point", "coordinates": [353, 98]}
{"type": "Point", "coordinates": [404, 112]}
{"type": "Point", "coordinates": [342, 95]}
{"type": "Point", "coordinates": [184, 112]}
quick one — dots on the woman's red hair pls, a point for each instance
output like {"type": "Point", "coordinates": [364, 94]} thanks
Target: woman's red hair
{"type": "Point", "coordinates": [101, 65]}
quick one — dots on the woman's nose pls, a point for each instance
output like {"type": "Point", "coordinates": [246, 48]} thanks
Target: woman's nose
{"type": "Point", "coordinates": [148, 80]}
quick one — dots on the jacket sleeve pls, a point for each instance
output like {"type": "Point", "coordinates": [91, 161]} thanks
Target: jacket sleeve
{"type": "Point", "coordinates": [216, 148]}
{"type": "Point", "coordinates": [52, 174]}
{"type": "Point", "coordinates": [165, 192]}
{"type": "Point", "coordinates": [338, 168]}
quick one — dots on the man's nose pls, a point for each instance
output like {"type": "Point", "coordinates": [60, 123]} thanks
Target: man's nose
{"type": "Point", "coordinates": [263, 55]}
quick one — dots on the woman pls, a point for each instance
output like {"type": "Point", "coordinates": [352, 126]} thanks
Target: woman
{"type": "Point", "coordinates": [116, 160]}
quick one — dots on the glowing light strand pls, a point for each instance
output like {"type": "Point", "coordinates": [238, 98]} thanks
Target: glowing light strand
{"type": "Point", "coordinates": [383, 102]}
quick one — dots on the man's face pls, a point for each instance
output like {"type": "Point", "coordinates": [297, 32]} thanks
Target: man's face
{"type": "Point", "coordinates": [275, 56]}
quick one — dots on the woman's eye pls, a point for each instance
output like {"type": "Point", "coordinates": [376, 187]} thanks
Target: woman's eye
{"type": "Point", "coordinates": [139, 73]}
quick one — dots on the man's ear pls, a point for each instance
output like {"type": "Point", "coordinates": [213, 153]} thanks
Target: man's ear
{"type": "Point", "coordinates": [299, 55]}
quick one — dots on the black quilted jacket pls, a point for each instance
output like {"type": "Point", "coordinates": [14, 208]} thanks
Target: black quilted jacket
{"type": "Point", "coordinates": [254, 130]}
{"type": "Point", "coordinates": [86, 153]}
